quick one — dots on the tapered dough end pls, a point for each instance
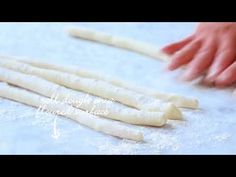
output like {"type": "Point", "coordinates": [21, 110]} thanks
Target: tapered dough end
{"type": "Point", "coordinates": [71, 32]}
{"type": "Point", "coordinates": [193, 104]}
{"type": "Point", "coordinates": [130, 134]}
{"type": "Point", "coordinates": [158, 119]}
{"type": "Point", "coordinates": [162, 121]}
{"type": "Point", "coordinates": [80, 32]}
{"type": "Point", "coordinates": [187, 103]}
{"type": "Point", "coordinates": [179, 101]}
{"type": "Point", "coordinates": [172, 112]}
{"type": "Point", "coordinates": [138, 137]}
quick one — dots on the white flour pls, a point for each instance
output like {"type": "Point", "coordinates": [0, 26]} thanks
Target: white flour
{"type": "Point", "coordinates": [209, 130]}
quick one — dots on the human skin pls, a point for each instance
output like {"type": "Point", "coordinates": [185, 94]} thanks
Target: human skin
{"type": "Point", "coordinates": [211, 49]}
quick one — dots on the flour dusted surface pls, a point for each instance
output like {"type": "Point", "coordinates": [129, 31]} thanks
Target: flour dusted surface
{"type": "Point", "coordinates": [211, 130]}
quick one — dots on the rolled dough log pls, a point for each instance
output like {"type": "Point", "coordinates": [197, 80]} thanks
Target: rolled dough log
{"type": "Point", "coordinates": [137, 46]}
{"type": "Point", "coordinates": [77, 99]}
{"type": "Point", "coordinates": [96, 87]}
{"type": "Point", "coordinates": [102, 125]}
{"type": "Point", "coordinates": [178, 100]}
{"type": "Point", "coordinates": [117, 41]}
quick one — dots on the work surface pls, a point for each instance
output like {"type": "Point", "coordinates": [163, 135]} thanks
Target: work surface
{"type": "Point", "coordinates": [210, 130]}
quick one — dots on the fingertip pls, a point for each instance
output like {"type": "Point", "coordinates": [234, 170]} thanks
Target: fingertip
{"type": "Point", "coordinates": [166, 68]}
{"type": "Point", "coordinates": [221, 81]}
{"type": "Point", "coordinates": [234, 93]}
{"type": "Point", "coordinates": [164, 49]}
{"type": "Point", "coordinates": [183, 78]}
{"type": "Point", "coordinates": [209, 80]}
{"type": "Point", "coordinates": [186, 76]}
{"type": "Point", "coordinates": [190, 75]}
{"type": "Point", "coordinates": [174, 47]}
{"type": "Point", "coordinates": [167, 50]}
{"type": "Point", "coordinates": [172, 65]}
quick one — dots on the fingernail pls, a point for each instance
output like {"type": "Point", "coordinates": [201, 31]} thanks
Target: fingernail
{"type": "Point", "coordinates": [187, 76]}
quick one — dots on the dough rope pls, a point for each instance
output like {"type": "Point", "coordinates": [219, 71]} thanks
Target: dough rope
{"type": "Point", "coordinates": [76, 99]}
{"type": "Point", "coordinates": [96, 87]}
{"type": "Point", "coordinates": [178, 100]}
{"type": "Point", "coordinates": [136, 46]}
{"type": "Point", "coordinates": [121, 42]}
{"type": "Point", "coordinates": [109, 127]}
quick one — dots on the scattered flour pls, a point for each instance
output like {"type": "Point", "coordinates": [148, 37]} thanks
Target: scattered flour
{"type": "Point", "coordinates": [214, 123]}
{"type": "Point", "coordinates": [221, 137]}
{"type": "Point", "coordinates": [2, 112]}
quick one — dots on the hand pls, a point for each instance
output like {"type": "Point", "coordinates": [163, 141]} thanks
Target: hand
{"type": "Point", "coordinates": [211, 49]}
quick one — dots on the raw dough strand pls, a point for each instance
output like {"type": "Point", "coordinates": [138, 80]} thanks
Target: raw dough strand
{"type": "Point", "coordinates": [109, 127]}
{"type": "Point", "coordinates": [96, 87]}
{"type": "Point", "coordinates": [178, 100]}
{"type": "Point", "coordinates": [55, 91]}
{"type": "Point", "coordinates": [121, 42]}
